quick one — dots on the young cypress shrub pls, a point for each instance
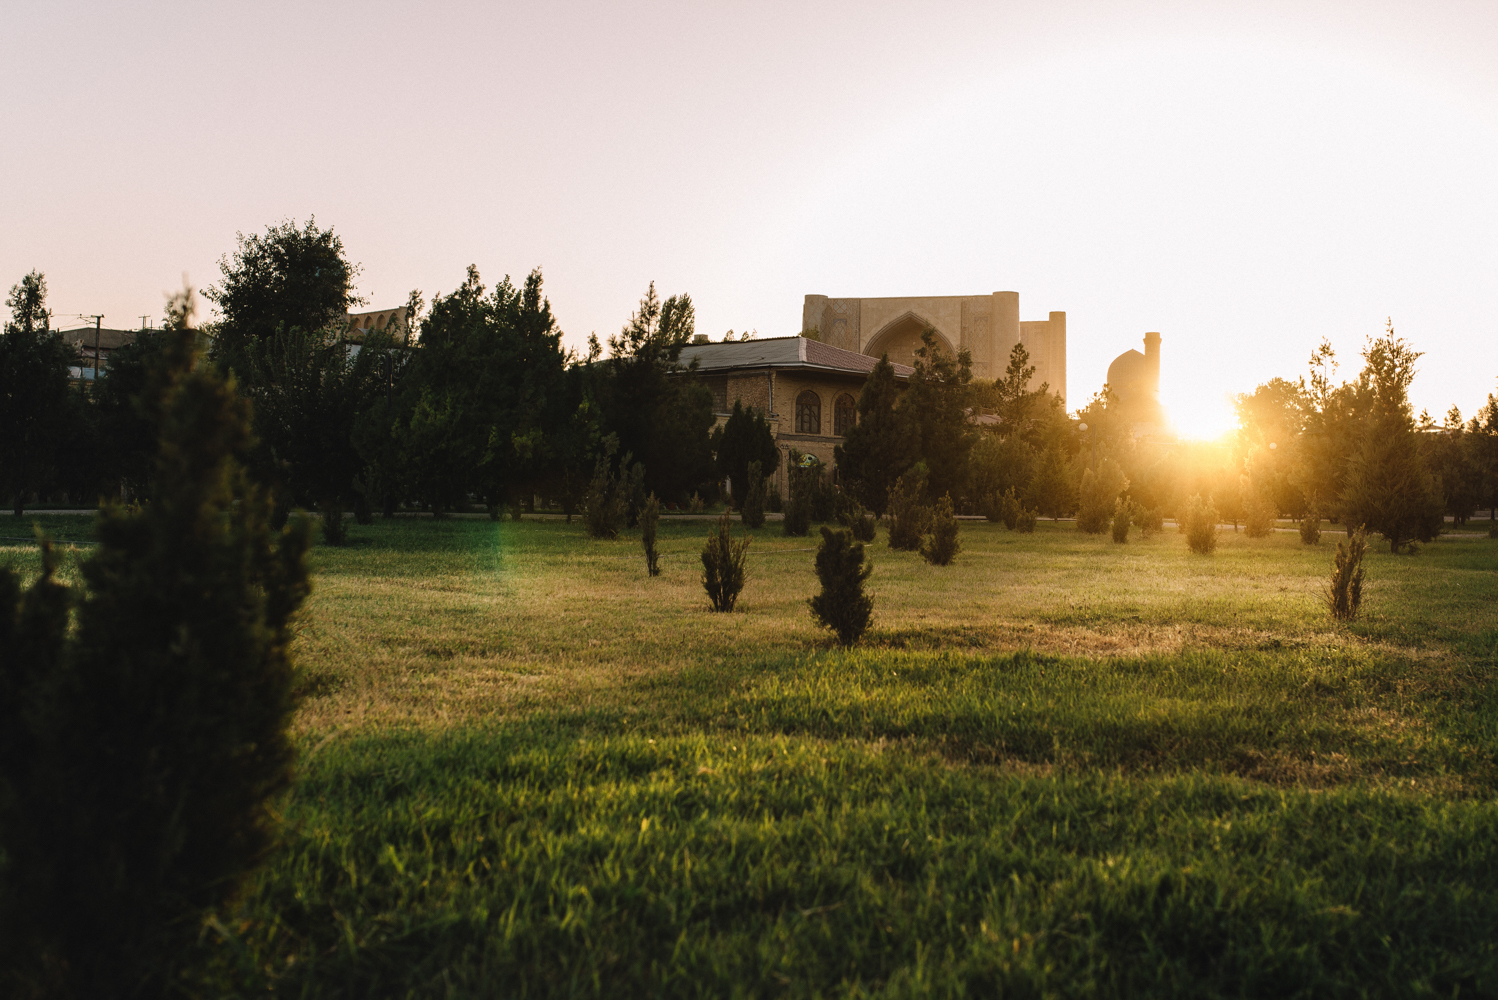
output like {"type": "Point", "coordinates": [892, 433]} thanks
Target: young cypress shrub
{"type": "Point", "coordinates": [908, 517]}
{"type": "Point", "coordinates": [1011, 509]}
{"type": "Point", "coordinates": [1200, 525]}
{"type": "Point", "coordinates": [1094, 505]}
{"type": "Point", "coordinates": [1024, 520]}
{"type": "Point", "coordinates": [775, 503]}
{"type": "Point", "coordinates": [797, 520]}
{"type": "Point", "coordinates": [1310, 526]}
{"type": "Point", "coordinates": [156, 740]}
{"type": "Point", "coordinates": [823, 496]}
{"type": "Point", "coordinates": [632, 491]}
{"type": "Point", "coordinates": [1258, 518]}
{"type": "Point", "coordinates": [334, 528]}
{"type": "Point", "coordinates": [842, 605]}
{"type": "Point", "coordinates": [1149, 521]}
{"type": "Point", "coordinates": [857, 519]}
{"type": "Point", "coordinates": [1123, 515]}
{"type": "Point", "coordinates": [1344, 593]}
{"type": "Point", "coordinates": [603, 506]}
{"type": "Point", "coordinates": [723, 561]}
{"type": "Point", "coordinates": [992, 508]}
{"type": "Point", "coordinates": [941, 546]}
{"type": "Point", "coordinates": [754, 499]}
{"type": "Point", "coordinates": [650, 515]}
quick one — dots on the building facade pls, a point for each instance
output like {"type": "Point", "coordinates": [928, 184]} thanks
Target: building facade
{"type": "Point", "coordinates": [987, 325]}
{"type": "Point", "coordinates": [807, 391]}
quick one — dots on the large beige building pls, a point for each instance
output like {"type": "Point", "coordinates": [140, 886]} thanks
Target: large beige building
{"type": "Point", "coordinates": [987, 325]}
{"type": "Point", "coordinates": [807, 391]}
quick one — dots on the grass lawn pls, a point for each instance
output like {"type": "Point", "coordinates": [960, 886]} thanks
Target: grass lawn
{"type": "Point", "coordinates": [1058, 767]}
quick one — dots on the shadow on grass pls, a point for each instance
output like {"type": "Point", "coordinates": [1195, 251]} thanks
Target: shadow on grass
{"type": "Point", "coordinates": [1312, 716]}
{"type": "Point", "coordinates": [527, 860]}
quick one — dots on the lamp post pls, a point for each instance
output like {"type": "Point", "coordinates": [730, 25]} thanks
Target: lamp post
{"type": "Point", "coordinates": [1092, 441]}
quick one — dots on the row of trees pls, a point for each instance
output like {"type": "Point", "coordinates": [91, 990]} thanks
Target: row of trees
{"type": "Point", "coordinates": [474, 397]}
{"type": "Point", "coordinates": [1352, 451]}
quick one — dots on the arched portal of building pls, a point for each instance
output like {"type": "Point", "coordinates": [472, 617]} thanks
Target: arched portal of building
{"type": "Point", "coordinates": [901, 338]}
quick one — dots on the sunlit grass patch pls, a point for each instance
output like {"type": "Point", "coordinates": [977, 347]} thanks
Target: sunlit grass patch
{"type": "Point", "coordinates": [533, 862]}
{"type": "Point", "coordinates": [1060, 766]}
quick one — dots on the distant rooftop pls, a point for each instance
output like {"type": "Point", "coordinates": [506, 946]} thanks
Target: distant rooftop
{"type": "Point", "coordinates": [782, 352]}
{"type": "Point", "coordinates": [109, 340]}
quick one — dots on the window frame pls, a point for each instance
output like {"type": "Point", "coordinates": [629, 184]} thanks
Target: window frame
{"type": "Point", "coordinates": [838, 429]}
{"type": "Point", "coordinates": [808, 412]}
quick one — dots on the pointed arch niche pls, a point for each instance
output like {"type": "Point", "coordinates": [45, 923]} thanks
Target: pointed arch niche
{"type": "Point", "coordinates": [901, 338]}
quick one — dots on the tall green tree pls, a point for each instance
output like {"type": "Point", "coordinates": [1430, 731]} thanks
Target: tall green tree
{"type": "Point", "coordinates": [36, 408]}
{"type": "Point", "coordinates": [1388, 487]}
{"type": "Point", "coordinates": [1051, 491]}
{"type": "Point", "coordinates": [484, 394]}
{"type": "Point", "coordinates": [1450, 457]}
{"type": "Point", "coordinates": [144, 750]}
{"type": "Point", "coordinates": [882, 445]}
{"type": "Point", "coordinates": [1482, 453]}
{"type": "Point", "coordinates": [937, 405]}
{"type": "Point", "coordinates": [658, 409]}
{"type": "Point", "coordinates": [310, 393]}
{"type": "Point", "coordinates": [290, 278]}
{"type": "Point", "coordinates": [745, 437]}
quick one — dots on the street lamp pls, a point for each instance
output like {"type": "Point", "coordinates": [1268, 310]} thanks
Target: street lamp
{"type": "Point", "coordinates": [1092, 439]}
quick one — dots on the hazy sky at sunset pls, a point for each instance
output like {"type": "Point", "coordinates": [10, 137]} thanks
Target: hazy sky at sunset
{"type": "Point", "coordinates": [1245, 178]}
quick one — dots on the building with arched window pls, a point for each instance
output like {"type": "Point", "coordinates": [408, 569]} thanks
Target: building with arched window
{"type": "Point", "coordinates": [806, 390]}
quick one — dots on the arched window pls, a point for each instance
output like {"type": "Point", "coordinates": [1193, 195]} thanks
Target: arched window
{"type": "Point", "coordinates": [844, 416]}
{"type": "Point", "coordinates": [808, 413]}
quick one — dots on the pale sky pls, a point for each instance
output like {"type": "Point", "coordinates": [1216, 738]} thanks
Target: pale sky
{"type": "Point", "coordinates": [1244, 178]}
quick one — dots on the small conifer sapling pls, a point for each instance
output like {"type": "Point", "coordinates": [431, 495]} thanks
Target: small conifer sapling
{"type": "Point", "coordinates": [754, 496]}
{"type": "Point", "coordinates": [650, 516]}
{"type": "Point", "coordinates": [941, 546]}
{"type": "Point", "coordinates": [908, 517]}
{"type": "Point", "coordinates": [1200, 526]}
{"type": "Point", "coordinates": [1344, 592]}
{"type": "Point", "coordinates": [842, 606]}
{"type": "Point", "coordinates": [1310, 526]}
{"type": "Point", "coordinates": [723, 570]}
{"type": "Point", "coordinates": [1123, 516]}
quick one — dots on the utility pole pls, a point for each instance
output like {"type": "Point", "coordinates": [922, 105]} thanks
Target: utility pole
{"type": "Point", "coordinates": [98, 324]}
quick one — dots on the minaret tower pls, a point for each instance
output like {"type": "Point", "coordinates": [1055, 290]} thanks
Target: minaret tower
{"type": "Point", "coordinates": [1152, 376]}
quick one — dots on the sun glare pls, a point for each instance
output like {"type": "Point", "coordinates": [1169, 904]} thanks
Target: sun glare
{"type": "Point", "coordinates": [1198, 416]}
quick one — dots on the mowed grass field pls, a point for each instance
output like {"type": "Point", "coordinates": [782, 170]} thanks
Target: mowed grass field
{"type": "Point", "coordinates": [1059, 767]}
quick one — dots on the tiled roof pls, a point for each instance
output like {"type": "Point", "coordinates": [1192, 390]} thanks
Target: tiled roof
{"type": "Point", "coordinates": [782, 352]}
{"type": "Point", "coordinates": [108, 339]}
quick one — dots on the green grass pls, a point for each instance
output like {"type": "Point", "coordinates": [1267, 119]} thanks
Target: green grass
{"type": "Point", "coordinates": [1059, 767]}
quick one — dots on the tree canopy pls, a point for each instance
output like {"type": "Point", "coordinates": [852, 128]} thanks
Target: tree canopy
{"type": "Point", "coordinates": [291, 278]}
